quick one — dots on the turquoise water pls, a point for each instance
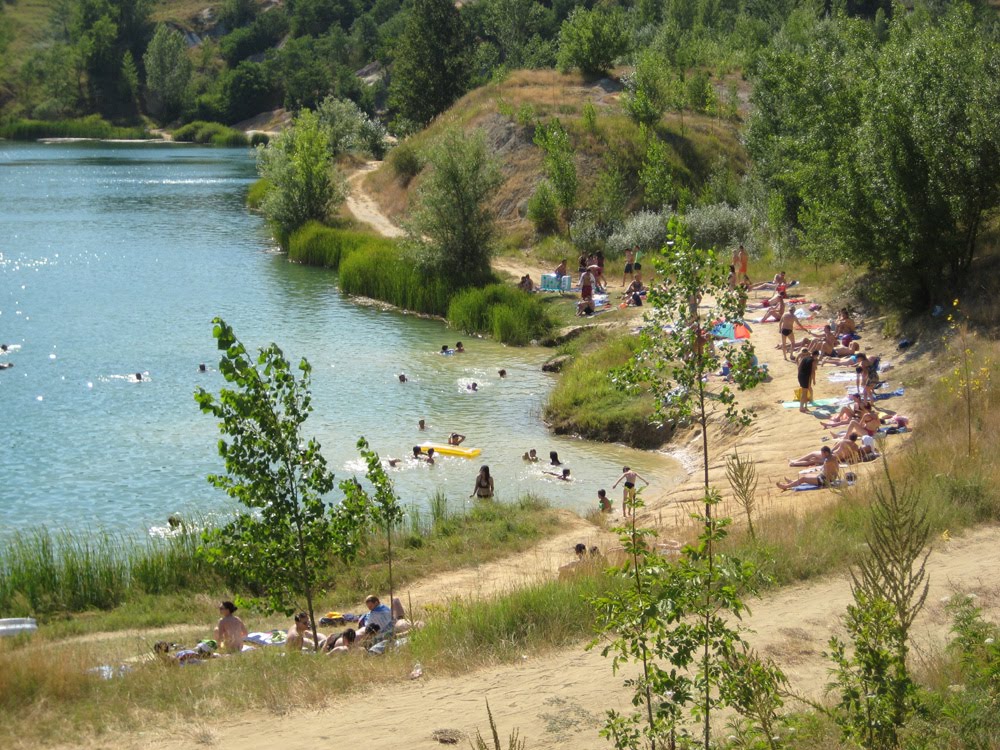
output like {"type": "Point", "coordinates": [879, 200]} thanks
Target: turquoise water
{"type": "Point", "coordinates": [114, 259]}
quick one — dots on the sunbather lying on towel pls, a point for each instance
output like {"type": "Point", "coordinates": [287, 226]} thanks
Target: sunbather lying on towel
{"type": "Point", "coordinates": [826, 476]}
{"type": "Point", "coordinates": [846, 451]}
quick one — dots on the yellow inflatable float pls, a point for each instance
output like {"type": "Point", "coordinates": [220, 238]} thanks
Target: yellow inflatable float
{"type": "Point", "coordinates": [451, 450]}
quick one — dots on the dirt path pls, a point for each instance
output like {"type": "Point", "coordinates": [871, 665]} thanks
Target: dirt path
{"type": "Point", "coordinates": [557, 701]}
{"type": "Point", "coordinates": [364, 208]}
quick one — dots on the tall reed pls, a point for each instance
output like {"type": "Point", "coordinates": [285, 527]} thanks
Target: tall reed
{"type": "Point", "coordinates": [507, 314]}
{"type": "Point", "coordinates": [42, 572]}
{"type": "Point", "coordinates": [87, 127]}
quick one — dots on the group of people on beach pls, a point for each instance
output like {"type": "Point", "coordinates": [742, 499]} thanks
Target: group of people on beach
{"type": "Point", "coordinates": [592, 280]}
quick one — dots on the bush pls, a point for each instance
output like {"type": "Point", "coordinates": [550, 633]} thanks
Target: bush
{"type": "Point", "coordinates": [647, 229]}
{"type": "Point", "coordinates": [214, 133]}
{"type": "Point", "coordinates": [86, 127]}
{"type": "Point", "coordinates": [720, 226]}
{"type": "Point", "coordinates": [315, 244]}
{"type": "Point", "coordinates": [259, 139]}
{"type": "Point", "coordinates": [507, 314]}
{"type": "Point", "coordinates": [405, 162]}
{"type": "Point", "coordinates": [592, 40]}
{"type": "Point", "coordinates": [380, 269]}
{"type": "Point", "coordinates": [543, 209]}
{"type": "Point", "coordinates": [257, 193]}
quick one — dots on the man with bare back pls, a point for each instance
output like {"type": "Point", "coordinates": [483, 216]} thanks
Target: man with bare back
{"type": "Point", "coordinates": [785, 325]}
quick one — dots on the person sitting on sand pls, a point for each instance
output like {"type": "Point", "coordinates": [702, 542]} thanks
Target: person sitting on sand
{"type": "Point", "coordinates": [845, 450]}
{"type": "Point", "coordinates": [455, 439]}
{"type": "Point", "coordinates": [561, 269]}
{"type": "Point", "coordinates": [339, 644]}
{"type": "Point", "coordinates": [633, 294]}
{"type": "Point", "coordinates": [531, 455]}
{"type": "Point", "coordinates": [230, 630]}
{"type": "Point", "coordinates": [484, 484]}
{"type": "Point", "coordinates": [378, 615]}
{"type": "Point", "coordinates": [563, 476]}
{"type": "Point", "coordinates": [628, 493]}
{"type": "Point", "coordinates": [776, 308]}
{"type": "Point", "coordinates": [299, 636]}
{"type": "Point", "coordinates": [526, 284]}
{"type": "Point", "coordinates": [603, 501]}
{"type": "Point", "coordinates": [844, 324]}
{"type": "Point", "coordinates": [786, 327]}
{"type": "Point", "coordinates": [867, 424]}
{"type": "Point", "coordinates": [825, 478]}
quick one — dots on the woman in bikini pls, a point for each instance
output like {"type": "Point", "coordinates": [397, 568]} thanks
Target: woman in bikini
{"type": "Point", "coordinates": [484, 484]}
{"type": "Point", "coordinates": [868, 424]}
{"type": "Point", "coordinates": [848, 413]}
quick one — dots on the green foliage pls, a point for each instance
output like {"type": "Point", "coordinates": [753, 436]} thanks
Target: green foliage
{"type": "Point", "coordinates": [453, 223]}
{"type": "Point", "coordinates": [304, 182]}
{"type": "Point", "coordinates": [349, 129]}
{"type": "Point", "coordinates": [405, 162]}
{"type": "Point", "coordinates": [214, 133]}
{"type": "Point", "coordinates": [246, 90]}
{"type": "Point", "coordinates": [44, 574]}
{"type": "Point", "coordinates": [288, 532]}
{"type": "Point", "coordinates": [679, 620]}
{"type": "Point", "coordinates": [256, 194]}
{"type": "Point", "coordinates": [560, 167]}
{"type": "Point", "coordinates": [380, 269]}
{"type": "Point", "coordinates": [543, 209]}
{"type": "Point", "coordinates": [885, 154]}
{"type": "Point", "coordinates": [86, 127]}
{"type": "Point", "coordinates": [168, 73]}
{"type": "Point", "coordinates": [315, 244]}
{"type": "Point", "coordinates": [431, 66]}
{"type": "Point", "coordinates": [266, 31]}
{"type": "Point", "coordinates": [592, 40]}
{"type": "Point", "coordinates": [509, 315]}
{"type": "Point", "coordinates": [647, 89]}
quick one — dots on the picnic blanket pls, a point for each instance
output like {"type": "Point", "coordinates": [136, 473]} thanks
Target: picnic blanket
{"type": "Point", "coordinates": [819, 402]}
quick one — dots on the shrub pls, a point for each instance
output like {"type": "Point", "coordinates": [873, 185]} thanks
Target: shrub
{"type": "Point", "coordinates": [380, 269]}
{"type": "Point", "coordinates": [591, 40]}
{"type": "Point", "coordinates": [259, 139]}
{"type": "Point", "coordinates": [86, 127]}
{"type": "Point", "coordinates": [405, 162]}
{"type": "Point", "coordinates": [213, 133]}
{"type": "Point", "coordinates": [719, 225]}
{"type": "Point", "coordinates": [315, 244]}
{"type": "Point", "coordinates": [257, 193]}
{"type": "Point", "coordinates": [507, 314]}
{"type": "Point", "coordinates": [543, 209]}
{"type": "Point", "coordinates": [647, 229]}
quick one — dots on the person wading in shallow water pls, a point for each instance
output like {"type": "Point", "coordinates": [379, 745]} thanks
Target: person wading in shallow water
{"type": "Point", "coordinates": [484, 484]}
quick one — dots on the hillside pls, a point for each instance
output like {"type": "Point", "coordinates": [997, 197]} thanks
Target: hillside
{"type": "Point", "coordinates": [508, 112]}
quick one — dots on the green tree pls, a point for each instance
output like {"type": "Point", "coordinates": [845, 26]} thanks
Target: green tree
{"type": "Point", "coordinates": [454, 213]}
{"type": "Point", "coordinates": [560, 165]}
{"type": "Point", "coordinates": [168, 73]}
{"type": "Point", "coordinates": [383, 503]}
{"type": "Point", "coordinates": [647, 89]}
{"type": "Point", "coordinates": [431, 65]}
{"type": "Point", "coordinates": [655, 175]}
{"type": "Point", "coordinates": [304, 182]}
{"type": "Point", "coordinates": [283, 544]}
{"type": "Point", "coordinates": [592, 40]}
{"type": "Point", "coordinates": [673, 361]}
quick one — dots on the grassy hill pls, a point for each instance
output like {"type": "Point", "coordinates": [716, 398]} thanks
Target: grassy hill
{"type": "Point", "coordinates": [508, 112]}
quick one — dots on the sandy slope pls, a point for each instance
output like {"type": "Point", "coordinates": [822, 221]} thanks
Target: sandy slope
{"type": "Point", "coordinates": [557, 701]}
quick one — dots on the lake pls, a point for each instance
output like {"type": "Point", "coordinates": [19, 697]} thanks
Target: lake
{"type": "Point", "coordinates": [114, 258]}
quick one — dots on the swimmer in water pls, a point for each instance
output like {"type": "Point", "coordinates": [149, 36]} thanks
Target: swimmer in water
{"type": "Point", "coordinates": [445, 349]}
{"type": "Point", "coordinates": [429, 458]}
{"type": "Point", "coordinates": [459, 349]}
{"type": "Point", "coordinates": [455, 439]}
{"type": "Point", "coordinates": [421, 425]}
{"type": "Point", "coordinates": [138, 377]}
{"type": "Point", "coordinates": [503, 373]}
{"type": "Point", "coordinates": [202, 368]}
{"type": "Point", "coordinates": [564, 476]}
{"type": "Point", "coordinates": [554, 459]}
{"type": "Point", "coordinates": [531, 455]}
{"type": "Point", "coordinates": [402, 378]}
{"type": "Point", "coordinates": [473, 387]}
{"type": "Point", "coordinates": [392, 461]}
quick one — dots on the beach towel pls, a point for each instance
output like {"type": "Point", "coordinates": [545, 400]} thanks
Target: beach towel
{"type": "Point", "coordinates": [835, 483]}
{"type": "Point", "coordinates": [723, 331]}
{"type": "Point", "coordinates": [842, 377]}
{"type": "Point", "coordinates": [820, 402]}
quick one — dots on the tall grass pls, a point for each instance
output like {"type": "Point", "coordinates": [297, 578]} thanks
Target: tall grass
{"type": "Point", "coordinates": [257, 193]}
{"type": "Point", "coordinates": [86, 127]}
{"type": "Point", "coordinates": [42, 572]}
{"type": "Point", "coordinates": [316, 244]}
{"type": "Point", "coordinates": [505, 313]}
{"type": "Point", "coordinates": [213, 133]}
{"type": "Point", "coordinates": [382, 270]}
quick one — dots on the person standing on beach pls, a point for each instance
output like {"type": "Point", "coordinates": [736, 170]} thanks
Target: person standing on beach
{"type": "Point", "coordinates": [741, 259]}
{"type": "Point", "coordinates": [629, 259]}
{"type": "Point", "coordinates": [808, 361]}
{"type": "Point", "coordinates": [628, 493]}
